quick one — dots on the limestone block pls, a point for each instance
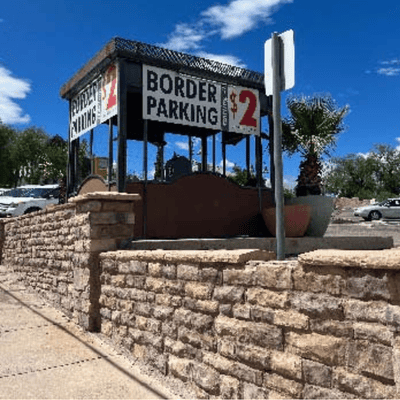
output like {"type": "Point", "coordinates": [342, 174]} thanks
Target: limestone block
{"type": "Point", "coordinates": [317, 305]}
{"type": "Point", "coordinates": [133, 281]}
{"type": "Point", "coordinates": [111, 231]}
{"type": "Point", "coordinates": [211, 275]}
{"type": "Point", "coordinates": [262, 314]}
{"type": "Point", "coordinates": [239, 277]}
{"type": "Point", "coordinates": [373, 259]}
{"type": "Point", "coordinates": [316, 392]}
{"type": "Point", "coordinates": [282, 385]}
{"type": "Point", "coordinates": [199, 291]}
{"type": "Point", "coordinates": [374, 332]}
{"type": "Point", "coordinates": [273, 275]}
{"type": "Point", "coordinates": [168, 300]}
{"type": "Point", "coordinates": [253, 356]}
{"type": "Point", "coordinates": [196, 339]}
{"type": "Point", "coordinates": [206, 377]}
{"type": "Point", "coordinates": [328, 350]}
{"type": "Point", "coordinates": [286, 364]}
{"type": "Point", "coordinates": [118, 280]}
{"type": "Point", "coordinates": [251, 391]}
{"type": "Point", "coordinates": [121, 207]}
{"type": "Point", "coordinates": [188, 272]}
{"type": "Point", "coordinates": [373, 358]}
{"type": "Point", "coordinates": [155, 269]}
{"type": "Point", "coordinates": [155, 284]}
{"type": "Point", "coordinates": [291, 319]}
{"type": "Point", "coordinates": [230, 388]}
{"type": "Point", "coordinates": [137, 267]}
{"type": "Point", "coordinates": [317, 373]}
{"type": "Point", "coordinates": [372, 311]}
{"type": "Point", "coordinates": [107, 328]}
{"type": "Point", "coordinates": [179, 349]}
{"type": "Point", "coordinates": [151, 355]}
{"type": "Point", "coordinates": [267, 298]}
{"type": "Point", "coordinates": [361, 386]}
{"type": "Point", "coordinates": [205, 306]}
{"type": "Point", "coordinates": [233, 368]}
{"type": "Point", "coordinates": [368, 287]}
{"type": "Point", "coordinates": [146, 338]}
{"type": "Point", "coordinates": [228, 294]}
{"type": "Point", "coordinates": [88, 206]}
{"type": "Point", "coordinates": [169, 329]}
{"type": "Point", "coordinates": [144, 309]}
{"type": "Point", "coordinates": [181, 368]}
{"type": "Point", "coordinates": [256, 333]}
{"type": "Point", "coordinates": [241, 311]}
{"type": "Point", "coordinates": [162, 313]}
{"type": "Point", "coordinates": [332, 327]}
{"type": "Point", "coordinates": [173, 287]}
{"type": "Point", "coordinates": [318, 279]}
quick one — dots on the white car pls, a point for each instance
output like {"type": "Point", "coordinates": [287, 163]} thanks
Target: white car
{"type": "Point", "coordinates": [27, 198]}
{"type": "Point", "coordinates": [389, 209]}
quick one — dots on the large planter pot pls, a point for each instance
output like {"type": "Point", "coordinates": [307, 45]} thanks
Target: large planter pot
{"type": "Point", "coordinates": [297, 219]}
{"type": "Point", "coordinates": [321, 211]}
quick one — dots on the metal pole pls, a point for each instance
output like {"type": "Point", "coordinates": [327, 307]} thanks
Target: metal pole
{"type": "Point", "coordinates": [276, 109]}
{"type": "Point", "coordinates": [248, 157]}
{"type": "Point", "coordinates": [259, 170]}
{"type": "Point", "coordinates": [122, 123]}
{"type": "Point", "coordinates": [68, 183]}
{"type": "Point", "coordinates": [223, 156]}
{"type": "Point", "coordinates": [91, 152]}
{"type": "Point", "coordinates": [110, 152]}
{"type": "Point", "coordinates": [190, 153]}
{"type": "Point", "coordinates": [213, 156]}
{"type": "Point", "coordinates": [145, 128]}
{"type": "Point", "coordinates": [204, 153]}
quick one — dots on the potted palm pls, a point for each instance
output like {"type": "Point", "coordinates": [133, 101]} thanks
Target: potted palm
{"type": "Point", "coordinates": [312, 130]}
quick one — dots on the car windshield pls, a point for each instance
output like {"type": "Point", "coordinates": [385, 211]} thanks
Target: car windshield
{"type": "Point", "coordinates": [32, 192]}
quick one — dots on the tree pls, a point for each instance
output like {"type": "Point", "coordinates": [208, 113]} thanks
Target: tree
{"type": "Point", "coordinates": [7, 138]}
{"type": "Point", "coordinates": [311, 129]}
{"type": "Point", "coordinates": [373, 175]}
{"type": "Point", "coordinates": [240, 176]}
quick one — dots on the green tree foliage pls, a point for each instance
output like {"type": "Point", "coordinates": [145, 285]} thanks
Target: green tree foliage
{"type": "Point", "coordinates": [311, 129]}
{"type": "Point", "coordinates": [31, 156]}
{"type": "Point", "coordinates": [7, 136]}
{"type": "Point", "coordinates": [375, 175]}
{"type": "Point", "coordinates": [240, 176]}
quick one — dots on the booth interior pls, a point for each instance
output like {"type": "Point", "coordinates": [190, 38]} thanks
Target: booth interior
{"type": "Point", "coordinates": [180, 203]}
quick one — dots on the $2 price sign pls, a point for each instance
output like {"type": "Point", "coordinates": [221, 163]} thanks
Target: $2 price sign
{"type": "Point", "coordinates": [243, 110]}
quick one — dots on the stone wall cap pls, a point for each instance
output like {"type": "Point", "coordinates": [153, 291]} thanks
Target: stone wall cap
{"type": "Point", "coordinates": [237, 256]}
{"type": "Point", "coordinates": [372, 259]}
{"type": "Point", "coordinates": [105, 196]}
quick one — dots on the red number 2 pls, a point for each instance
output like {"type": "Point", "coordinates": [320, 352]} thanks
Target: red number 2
{"type": "Point", "coordinates": [248, 119]}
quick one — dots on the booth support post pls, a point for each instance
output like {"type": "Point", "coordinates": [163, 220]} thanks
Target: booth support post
{"type": "Point", "coordinates": [223, 156]}
{"type": "Point", "coordinates": [248, 157]}
{"type": "Point", "coordinates": [145, 137]}
{"type": "Point", "coordinates": [110, 152]}
{"type": "Point", "coordinates": [91, 152]}
{"type": "Point", "coordinates": [213, 154]}
{"type": "Point", "coordinates": [204, 153]}
{"type": "Point", "coordinates": [122, 122]}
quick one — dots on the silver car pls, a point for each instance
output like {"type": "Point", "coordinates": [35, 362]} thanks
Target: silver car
{"type": "Point", "coordinates": [26, 199]}
{"type": "Point", "coordinates": [389, 209]}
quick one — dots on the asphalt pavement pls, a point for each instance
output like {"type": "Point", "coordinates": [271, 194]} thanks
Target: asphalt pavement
{"type": "Point", "coordinates": [44, 355]}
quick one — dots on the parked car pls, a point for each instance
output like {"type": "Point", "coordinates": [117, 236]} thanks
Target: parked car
{"type": "Point", "coordinates": [27, 198]}
{"type": "Point", "coordinates": [389, 208]}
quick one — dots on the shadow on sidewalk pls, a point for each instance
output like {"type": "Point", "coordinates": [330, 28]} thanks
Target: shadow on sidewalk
{"type": "Point", "coordinates": [99, 353]}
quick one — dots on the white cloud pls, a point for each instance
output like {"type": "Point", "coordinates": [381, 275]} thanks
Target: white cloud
{"type": "Point", "coordinates": [182, 145]}
{"type": "Point", "coordinates": [185, 37]}
{"type": "Point", "coordinates": [225, 59]}
{"type": "Point", "coordinates": [12, 88]}
{"type": "Point", "coordinates": [241, 16]}
{"type": "Point", "coordinates": [227, 21]}
{"type": "Point", "coordinates": [229, 164]}
{"type": "Point", "coordinates": [390, 71]}
{"type": "Point", "coordinates": [395, 61]}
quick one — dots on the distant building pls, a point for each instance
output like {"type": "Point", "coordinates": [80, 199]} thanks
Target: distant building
{"type": "Point", "coordinates": [176, 167]}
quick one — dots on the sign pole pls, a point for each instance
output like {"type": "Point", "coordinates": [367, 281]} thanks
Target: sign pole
{"type": "Point", "coordinates": [110, 152]}
{"type": "Point", "coordinates": [276, 109]}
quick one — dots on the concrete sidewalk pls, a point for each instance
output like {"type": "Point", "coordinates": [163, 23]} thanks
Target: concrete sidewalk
{"type": "Point", "coordinates": [44, 355]}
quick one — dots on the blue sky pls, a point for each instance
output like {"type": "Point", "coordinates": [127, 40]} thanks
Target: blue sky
{"type": "Point", "coordinates": [349, 48]}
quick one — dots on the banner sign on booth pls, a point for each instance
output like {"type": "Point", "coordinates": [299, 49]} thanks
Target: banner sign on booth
{"type": "Point", "coordinates": [171, 97]}
{"type": "Point", "coordinates": [85, 110]}
{"type": "Point", "coordinates": [109, 94]}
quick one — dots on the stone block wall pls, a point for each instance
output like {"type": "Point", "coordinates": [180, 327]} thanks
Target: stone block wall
{"type": "Point", "coordinates": [239, 328]}
{"type": "Point", "coordinates": [55, 251]}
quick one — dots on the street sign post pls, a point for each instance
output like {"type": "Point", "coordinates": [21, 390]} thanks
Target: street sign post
{"type": "Point", "coordinates": [279, 75]}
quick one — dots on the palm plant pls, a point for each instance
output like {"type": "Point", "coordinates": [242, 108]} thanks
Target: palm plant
{"type": "Point", "coordinates": [311, 129]}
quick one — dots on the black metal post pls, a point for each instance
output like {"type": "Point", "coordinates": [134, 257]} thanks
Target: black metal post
{"type": "Point", "coordinates": [91, 152]}
{"type": "Point", "coordinates": [145, 134]}
{"type": "Point", "coordinates": [122, 122]}
{"type": "Point", "coordinates": [213, 155]}
{"type": "Point", "coordinates": [248, 157]}
{"type": "Point", "coordinates": [110, 152]}
{"type": "Point", "coordinates": [223, 157]}
{"type": "Point", "coordinates": [204, 153]}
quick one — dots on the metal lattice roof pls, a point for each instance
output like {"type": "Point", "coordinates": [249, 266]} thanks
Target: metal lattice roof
{"type": "Point", "coordinates": [158, 56]}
